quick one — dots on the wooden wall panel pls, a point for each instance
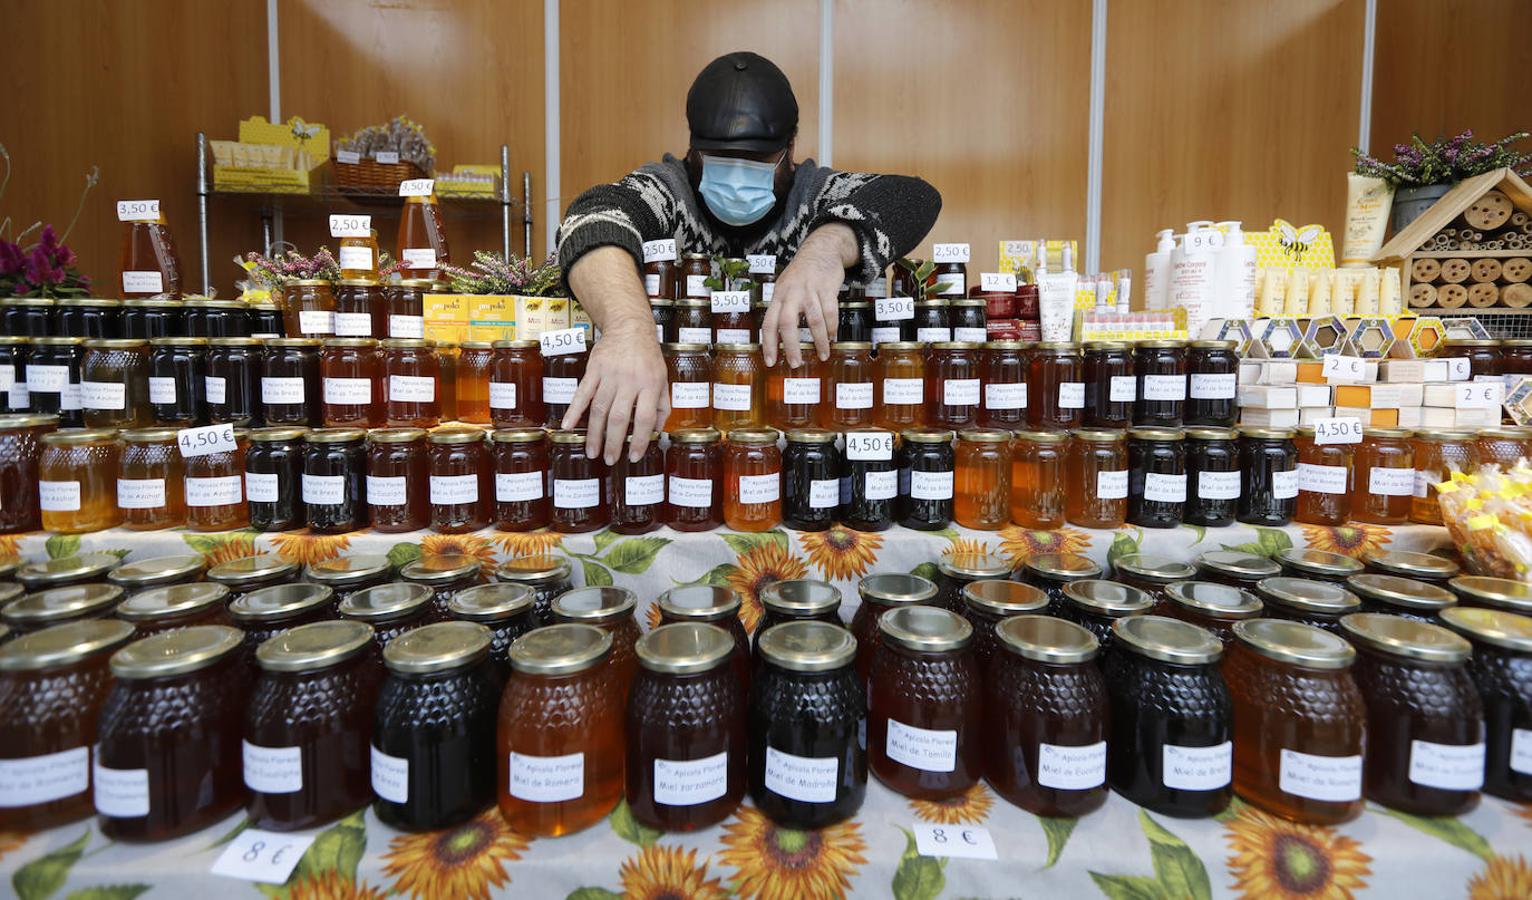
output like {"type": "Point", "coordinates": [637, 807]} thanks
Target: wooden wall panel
{"type": "Point", "coordinates": [985, 99]}
{"type": "Point", "coordinates": [1226, 110]}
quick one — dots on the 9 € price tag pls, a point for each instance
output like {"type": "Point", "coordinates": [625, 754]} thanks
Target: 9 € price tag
{"type": "Point", "coordinates": [967, 841]}
{"type": "Point", "coordinates": [949, 253]}
{"type": "Point", "coordinates": [1338, 430]}
{"type": "Point", "coordinates": [893, 309]}
{"type": "Point", "coordinates": [205, 440]}
{"type": "Point", "coordinates": [417, 187]}
{"type": "Point", "coordinates": [264, 856]}
{"type": "Point", "coordinates": [998, 281]}
{"type": "Point", "coordinates": [1479, 394]}
{"type": "Point", "coordinates": [565, 340]}
{"type": "Point", "coordinates": [342, 226]}
{"type": "Point", "coordinates": [1348, 369]}
{"type": "Point", "coordinates": [869, 445]}
{"type": "Point", "coordinates": [138, 210]}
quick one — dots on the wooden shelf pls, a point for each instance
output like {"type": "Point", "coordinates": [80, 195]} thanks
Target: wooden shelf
{"type": "Point", "coordinates": [1469, 254]}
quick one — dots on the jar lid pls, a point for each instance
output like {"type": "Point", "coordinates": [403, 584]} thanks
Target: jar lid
{"type": "Point", "coordinates": [934, 301]}
{"type": "Point", "coordinates": [1319, 562]}
{"type": "Point", "coordinates": [559, 649]}
{"type": "Point", "coordinates": [37, 575]}
{"type": "Point", "coordinates": [1214, 345]}
{"type": "Point", "coordinates": [1295, 643]}
{"type": "Point", "coordinates": [1003, 597]}
{"type": "Point", "coordinates": [807, 645]}
{"type": "Point", "coordinates": [1067, 346]}
{"type": "Point", "coordinates": [440, 568]}
{"type": "Point", "coordinates": [116, 343]}
{"type": "Point", "coordinates": [1099, 435]}
{"type": "Point", "coordinates": [247, 570]}
{"type": "Point", "coordinates": [972, 565]}
{"type": "Point", "coordinates": [1406, 593]}
{"type": "Point", "coordinates": [1406, 638]}
{"type": "Point", "coordinates": [1202, 433]}
{"type": "Point", "coordinates": [1504, 432]}
{"type": "Point", "coordinates": [1167, 640]}
{"type": "Point", "coordinates": [1107, 598]}
{"type": "Point", "coordinates": [974, 301]}
{"type": "Point", "coordinates": [279, 601]}
{"type": "Point", "coordinates": [1108, 345]}
{"type": "Point", "coordinates": [300, 343]}
{"type": "Point", "coordinates": [456, 436]}
{"type": "Point", "coordinates": [737, 348]}
{"type": "Point", "coordinates": [1047, 639]}
{"type": "Point", "coordinates": [385, 602]}
{"type": "Point", "coordinates": [684, 648]}
{"type": "Point", "coordinates": [1411, 565]}
{"type": "Point", "coordinates": [334, 435]}
{"type": "Point", "coordinates": [753, 435]}
{"type": "Point", "coordinates": [800, 597]}
{"type": "Point", "coordinates": [8, 568]}
{"type": "Point", "coordinates": [1156, 434]}
{"type": "Point", "coordinates": [1159, 344]}
{"type": "Point", "coordinates": [1266, 432]}
{"type": "Point", "coordinates": [1304, 595]}
{"type": "Point", "coordinates": [1063, 566]}
{"type": "Point", "coordinates": [810, 436]}
{"type": "Point", "coordinates": [954, 345]}
{"type": "Point", "coordinates": [694, 436]}
{"type": "Point", "coordinates": [900, 346]}
{"type": "Point", "coordinates": [1437, 435]}
{"type": "Point", "coordinates": [534, 570]}
{"type": "Point", "coordinates": [1160, 569]}
{"type": "Point", "coordinates": [1496, 627]}
{"type": "Point", "coordinates": [16, 422]}
{"type": "Point", "coordinates": [9, 592]}
{"type": "Point", "coordinates": [59, 341]}
{"type": "Point", "coordinates": [1002, 345]}
{"type": "Point", "coordinates": [438, 647]}
{"type": "Point", "coordinates": [661, 301]}
{"type": "Point", "coordinates": [517, 435]}
{"type": "Point", "coordinates": [78, 436]}
{"type": "Point", "coordinates": [395, 435]}
{"type": "Point", "coordinates": [359, 282]}
{"type": "Point", "coordinates": [491, 602]}
{"type": "Point", "coordinates": [927, 435]}
{"type": "Point", "coordinates": [90, 301]}
{"type": "Point", "coordinates": [420, 283]}
{"type": "Point", "coordinates": [573, 436]}
{"type": "Point", "coordinates": [1238, 564]}
{"type": "Point", "coordinates": [407, 344]}
{"type": "Point", "coordinates": [895, 589]}
{"type": "Point", "coordinates": [62, 645]}
{"type": "Point", "coordinates": [692, 302]}
{"type": "Point", "coordinates": [851, 346]}
{"type": "Point", "coordinates": [160, 301]}
{"type": "Point", "coordinates": [309, 648]}
{"type": "Point", "coordinates": [276, 433]}
{"type": "Point", "coordinates": [171, 600]}
{"type": "Point", "coordinates": [477, 345]}
{"type": "Point", "coordinates": [234, 341]}
{"type": "Point", "coordinates": [360, 342]}
{"type": "Point", "coordinates": [928, 629]}
{"type": "Point", "coordinates": [178, 342]}
{"type": "Point", "coordinates": [683, 347]}
{"type": "Point", "coordinates": [594, 605]}
{"type": "Point", "coordinates": [176, 652]}
{"type": "Point", "coordinates": [47, 607]}
{"type": "Point", "coordinates": [344, 571]}
{"type": "Point", "coordinates": [1470, 342]}
{"type": "Point", "coordinates": [702, 602]}
{"type": "Point", "coordinates": [523, 344]}
{"type": "Point", "coordinates": [1501, 593]}
{"type": "Point", "coordinates": [151, 572]}
{"type": "Point", "coordinates": [1216, 601]}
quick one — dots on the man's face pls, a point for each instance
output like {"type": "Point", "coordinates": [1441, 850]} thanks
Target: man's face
{"type": "Point", "coordinates": [782, 159]}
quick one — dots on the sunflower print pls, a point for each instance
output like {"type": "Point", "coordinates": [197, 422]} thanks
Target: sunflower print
{"type": "Point", "coordinates": [842, 553]}
{"type": "Point", "coordinates": [221, 548]}
{"type": "Point", "coordinates": [10, 547]}
{"type": "Point", "coordinates": [1274, 858]}
{"type": "Point", "coordinates": [332, 885]}
{"type": "Point", "coordinates": [1351, 539]}
{"type": "Point", "coordinates": [518, 544]}
{"type": "Point", "coordinates": [1503, 879]}
{"type": "Point", "coordinates": [968, 808]}
{"type": "Point", "coordinates": [305, 549]}
{"type": "Point", "coordinates": [465, 861]}
{"type": "Point", "coordinates": [757, 567]}
{"type": "Point", "coordinates": [661, 873]}
{"type": "Point", "coordinates": [1019, 545]}
{"type": "Point", "coordinates": [785, 864]}
{"type": "Point", "coordinates": [458, 544]}
{"type": "Point", "coordinates": [964, 548]}
{"type": "Point", "coordinates": [10, 840]}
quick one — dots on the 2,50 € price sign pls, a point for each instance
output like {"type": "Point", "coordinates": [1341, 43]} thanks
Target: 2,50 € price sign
{"type": "Point", "coordinates": [345, 226]}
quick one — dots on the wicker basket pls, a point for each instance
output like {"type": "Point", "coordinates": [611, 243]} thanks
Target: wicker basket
{"type": "Point", "coordinates": [370, 178]}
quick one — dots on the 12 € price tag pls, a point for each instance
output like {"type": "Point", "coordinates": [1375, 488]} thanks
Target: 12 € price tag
{"type": "Point", "coordinates": [343, 226]}
{"type": "Point", "coordinates": [565, 340]}
{"type": "Point", "coordinates": [1479, 395]}
{"type": "Point", "coordinates": [1004, 282]}
{"type": "Point", "coordinates": [949, 253]}
{"type": "Point", "coordinates": [417, 187]}
{"type": "Point", "coordinates": [1338, 430]}
{"type": "Point", "coordinates": [264, 856]}
{"type": "Point", "coordinates": [207, 439]}
{"type": "Point", "coordinates": [138, 210]}
{"type": "Point", "coordinates": [967, 841]}
{"type": "Point", "coordinates": [1346, 369]}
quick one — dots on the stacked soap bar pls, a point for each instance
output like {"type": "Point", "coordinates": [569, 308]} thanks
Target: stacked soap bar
{"type": "Point", "coordinates": [1406, 393]}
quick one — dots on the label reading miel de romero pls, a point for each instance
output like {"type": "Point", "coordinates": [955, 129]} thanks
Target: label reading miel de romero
{"type": "Point", "coordinates": [547, 779]}
{"type": "Point", "coordinates": [799, 391]}
{"type": "Point", "coordinates": [803, 778]}
{"type": "Point", "coordinates": [1336, 779]}
{"type": "Point", "coordinates": [903, 391]}
{"type": "Point", "coordinates": [1317, 479]}
{"type": "Point", "coordinates": [41, 779]}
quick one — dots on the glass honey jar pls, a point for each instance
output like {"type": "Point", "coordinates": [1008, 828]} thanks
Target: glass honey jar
{"type": "Point", "coordinates": [334, 480]}
{"type": "Point", "coordinates": [1160, 370]}
{"type": "Point", "coordinates": [20, 457]}
{"type": "Point", "coordinates": [1050, 572]}
{"type": "Point", "coordinates": [1235, 568]}
{"type": "Point", "coordinates": [215, 488]}
{"type": "Point", "coordinates": [360, 310]}
{"type": "Point", "coordinates": [158, 572]}
{"type": "Point", "coordinates": [83, 568]}
{"type": "Point", "coordinates": [1503, 447]}
{"type": "Point", "coordinates": [506, 609]}
{"type": "Point", "coordinates": [178, 380]}
{"type": "Point", "coordinates": [1212, 383]}
{"type": "Point", "coordinates": [693, 480]}
{"type": "Point", "coordinates": [308, 308]}
{"type": "Point", "coordinates": [1055, 387]}
{"type": "Point", "coordinates": [251, 573]}
{"type": "Point", "coordinates": [545, 574]}
{"type": "Point", "coordinates": [1095, 479]}
{"type": "Point", "coordinates": [77, 474]}
{"type": "Point", "coordinates": [693, 321]}
{"type": "Point", "coordinates": [1408, 564]}
{"type": "Point", "coordinates": [952, 384]}
{"type": "Point", "coordinates": [151, 490]}
{"type": "Point", "coordinates": [1501, 667]}
{"type": "Point", "coordinates": [612, 609]}
{"type": "Point", "coordinates": [39, 609]}
{"type": "Point", "coordinates": [405, 303]}
{"type": "Point", "coordinates": [927, 475]}
{"type": "Point", "coordinates": [752, 480]}
{"type": "Point", "coordinates": [879, 593]}
{"type": "Point", "coordinates": [1437, 453]}
{"type": "Point", "coordinates": [516, 385]}
{"type": "Point", "coordinates": [398, 476]}
{"type": "Point", "coordinates": [274, 478]}
{"type": "Point", "coordinates": [715, 605]}
{"type": "Point", "coordinates": [390, 610]}
{"type": "Point", "coordinates": [14, 396]}
{"type": "Point", "coordinates": [114, 383]}
{"type": "Point", "coordinates": [849, 387]}
{"type": "Point", "coordinates": [1003, 379]}
{"type": "Point", "coordinates": [1150, 574]}
{"type": "Point", "coordinates": [637, 489]}
{"type": "Point", "coordinates": [445, 574]}
{"type": "Point", "coordinates": [1492, 593]}
{"type": "Point", "coordinates": [53, 378]}
{"type": "Point", "coordinates": [151, 317]}
{"type": "Point", "coordinates": [157, 609]}
{"type": "Point", "coordinates": [1110, 385]}
{"type": "Point", "coordinates": [290, 383]}
{"type": "Point", "coordinates": [1038, 484]}
{"type": "Point", "coordinates": [982, 479]}
{"type": "Point", "coordinates": [739, 387]}
{"type": "Point", "coordinates": [472, 381]}
{"type": "Point", "coordinates": [1268, 490]}
{"type": "Point", "coordinates": [352, 384]}
{"type": "Point", "coordinates": [811, 471]}
{"type": "Point", "coordinates": [413, 370]}
{"type": "Point", "coordinates": [461, 480]}
{"type": "Point", "coordinates": [988, 602]}
{"type": "Point", "coordinates": [1383, 477]}
{"type": "Point", "coordinates": [1156, 477]}
{"type": "Point", "coordinates": [1098, 605]}
{"type": "Point", "coordinates": [1215, 607]}
{"type": "Point", "coordinates": [265, 612]}
{"type": "Point", "coordinates": [689, 369]}
{"type": "Point", "coordinates": [899, 376]}
{"type": "Point", "coordinates": [521, 478]}
{"type": "Point", "coordinates": [1324, 480]}
{"type": "Point", "coordinates": [793, 393]}
{"type": "Point", "coordinates": [233, 385]}
{"type": "Point", "coordinates": [869, 482]}
{"type": "Point", "coordinates": [1399, 596]}
{"type": "Point", "coordinates": [1213, 476]}
{"type": "Point", "coordinates": [580, 500]}
{"type": "Point", "coordinates": [89, 317]}
{"type": "Point", "coordinates": [345, 575]}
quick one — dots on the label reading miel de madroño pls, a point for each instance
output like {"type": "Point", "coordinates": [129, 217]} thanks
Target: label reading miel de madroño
{"type": "Point", "coordinates": [59, 496]}
{"type": "Point", "coordinates": [518, 487]}
{"type": "Point", "coordinates": [1284, 484]}
{"type": "Point", "coordinates": [960, 392]}
{"type": "Point", "coordinates": [1005, 396]}
{"type": "Point", "coordinates": [824, 493]}
{"type": "Point", "coordinates": [800, 391]}
{"type": "Point", "coordinates": [1072, 395]}
{"type": "Point", "coordinates": [390, 777]}
{"type": "Point", "coordinates": [386, 491]}
{"type": "Point", "coordinates": [224, 491]}
{"type": "Point", "coordinates": [760, 488]}
{"type": "Point", "coordinates": [451, 490]}
{"type": "Point", "coordinates": [1336, 779]}
{"type": "Point", "coordinates": [103, 395]}
{"type": "Point", "coordinates": [547, 779]}
{"type": "Point", "coordinates": [930, 485]}
{"type": "Point", "coordinates": [1391, 482]}
{"type": "Point", "coordinates": [1071, 768]}
{"type": "Point", "coordinates": [1164, 387]}
{"type": "Point", "coordinates": [348, 391]}
{"type": "Point", "coordinates": [644, 490]}
{"type": "Point", "coordinates": [803, 778]}
{"type": "Point", "coordinates": [502, 395]}
{"type": "Point", "coordinates": [162, 390]}
{"type": "Point", "coordinates": [1450, 767]}
{"type": "Point", "coordinates": [687, 782]}
{"type": "Point", "coordinates": [121, 793]}
{"type": "Point", "coordinates": [1163, 488]}
{"type": "Point", "coordinates": [42, 779]}
{"type": "Point", "coordinates": [576, 493]}
{"type": "Point", "coordinates": [732, 397]}
{"type": "Point", "coordinates": [273, 770]}
{"type": "Point", "coordinates": [1124, 389]}
{"type": "Point", "coordinates": [1218, 485]}
{"type": "Point", "coordinates": [690, 394]}
{"type": "Point", "coordinates": [853, 396]}
{"type": "Point", "coordinates": [1213, 387]}
{"type": "Point", "coordinates": [903, 391]}
{"type": "Point", "coordinates": [140, 493]}
{"type": "Point", "coordinates": [1197, 768]}
{"type": "Point", "coordinates": [930, 750]}
{"type": "Point", "coordinates": [559, 390]}
{"type": "Point", "coordinates": [1316, 479]}
{"type": "Point", "coordinates": [1112, 485]}
{"type": "Point", "coordinates": [693, 493]}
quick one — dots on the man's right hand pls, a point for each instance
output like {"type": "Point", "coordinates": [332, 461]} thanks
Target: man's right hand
{"type": "Point", "coordinates": [625, 384]}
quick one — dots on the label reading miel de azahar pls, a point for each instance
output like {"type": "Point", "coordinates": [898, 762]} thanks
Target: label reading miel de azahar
{"type": "Point", "coordinates": [141, 493]}
{"type": "Point", "coordinates": [1163, 488]}
{"type": "Point", "coordinates": [59, 496]}
{"type": "Point", "coordinates": [42, 779]}
{"type": "Point", "coordinates": [386, 491]}
{"type": "Point", "coordinates": [687, 782]}
{"type": "Point", "coordinates": [1197, 768]}
{"type": "Point", "coordinates": [803, 778]}
{"type": "Point", "coordinates": [732, 397]}
{"type": "Point", "coordinates": [121, 793]}
{"type": "Point", "coordinates": [1218, 485]}
{"type": "Point", "coordinates": [930, 485]}
{"type": "Point", "coordinates": [930, 750]}
{"type": "Point", "coordinates": [690, 394]}
{"type": "Point", "coordinates": [1336, 779]}
{"type": "Point", "coordinates": [518, 487]}
{"type": "Point", "coordinates": [799, 391]}
{"type": "Point", "coordinates": [1317, 479]}
{"type": "Point", "coordinates": [692, 493]}
{"type": "Point", "coordinates": [390, 777]}
{"type": "Point", "coordinates": [760, 488]}
{"type": "Point", "coordinates": [273, 770]}
{"type": "Point", "coordinates": [903, 391]}
{"type": "Point", "coordinates": [576, 493]}
{"type": "Point", "coordinates": [1071, 768]}
{"type": "Point", "coordinates": [1450, 767]}
{"type": "Point", "coordinates": [547, 779]}
{"type": "Point", "coordinates": [1072, 395]}
{"type": "Point", "coordinates": [1391, 482]}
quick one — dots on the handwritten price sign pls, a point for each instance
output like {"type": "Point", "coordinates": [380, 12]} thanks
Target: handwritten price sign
{"type": "Point", "coordinates": [1344, 369]}
{"type": "Point", "coordinates": [869, 445]}
{"type": "Point", "coordinates": [565, 340]}
{"type": "Point", "coordinates": [1338, 430]}
{"type": "Point", "coordinates": [138, 210]}
{"type": "Point", "coordinates": [206, 440]}
{"type": "Point", "coordinates": [264, 856]}
{"type": "Point", "coordinates": [949, 253]}
{"type": "Point", "coordinates": [969, 842]}
{"type": "Point", "coordinates": [342, 226]}
{"type": "Point", "coordinates": [417, 187]}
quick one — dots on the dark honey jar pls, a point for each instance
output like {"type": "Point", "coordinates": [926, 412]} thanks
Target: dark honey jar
{"type": "Point", "coordinates": [390, 609]}
{"type": "Point", "coordinates": [1097, 605]}
{"type": "Point", "coordinates": [265, 612]}
{"type": "Point", "coordinates": [795, 600]}
{"type": "Point", "coordinates": [957, 570]}
{"type": "Point", "coordinates": [1051, 571]}
{"type": "Point", "coordinates": [1492, 593]}
{"type": "Point", "coordinates": [70, 570]}
{"type": "Point", "coordinates": [445, 574]}
{"type": "Point", "coordinates": [1400, 596]}
{"type": "Point", "coordinates": [547, 576]}
{"type": "Point", "coordinates": [879, 594]}
{"type": "Point", "coordinates": [162, 571]}
{"type": "Point", "coordinates": [58, 606]}
{"type": "Point", "coordinates": [1408, 564]}
{"type": "Point", "coordinates": [505, 609]}
{"type": "Point", "coordinates": [345, 575]}
{"type": "Point", "coordinates": [989, 602]}
{"type": "Point", "coordinates": [1213, 606]}
{"type": "Point", "coordinates": [1319, 565]}
{"type": "Point", "coordinates": [250, 573]}
{"type": "Point", "coordinates": [1319, 603]}
{"type": "Point", "coordinates": [1150, 574]}
{"type": "Point", "coordinates": [714, 605]}
{"type": "Point", "coordinates": [1501, 667]}
{"type": "Point", "coordinates": [176, 606]}
{"type": "Point", "coordinates": [1236, 568]}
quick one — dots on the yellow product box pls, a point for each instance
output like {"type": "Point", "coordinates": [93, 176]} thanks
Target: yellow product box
{"type": "Point", "coordinates": [537, 315]}
{"type": "Point", "coordinates": [446, 317]}
{"type": "Point", "coordinates": [491, 317]}
{"type": "Point", "coordinates": [579, 318]}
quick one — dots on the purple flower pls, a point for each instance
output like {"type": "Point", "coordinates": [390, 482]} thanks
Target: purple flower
{"type": "Point", "coordinates": [11, 258]}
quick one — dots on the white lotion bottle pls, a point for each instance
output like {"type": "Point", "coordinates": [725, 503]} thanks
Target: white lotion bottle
{"type": "Point", "coordinates": [1157, 271]}
{"type": "Point", "coordinates": [1234, 274]}
{"type": "Point", "coordinates": [1191, 277]}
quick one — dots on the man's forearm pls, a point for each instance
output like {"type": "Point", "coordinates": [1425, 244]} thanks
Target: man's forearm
{"type": "Point", "coordinates": [608, 286]}
{"type": "Point", "coordinates": [836, 240]}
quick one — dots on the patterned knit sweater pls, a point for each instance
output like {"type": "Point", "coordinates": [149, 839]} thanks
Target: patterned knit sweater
{"type": "Point", "coordinates": [890, 215]}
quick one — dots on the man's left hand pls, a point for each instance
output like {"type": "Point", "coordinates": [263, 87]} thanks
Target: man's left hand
{"type": "Point", "coordinates": [808, 289]}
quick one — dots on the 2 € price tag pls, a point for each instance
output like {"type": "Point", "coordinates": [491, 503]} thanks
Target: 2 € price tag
{"type": "Point", "coordinates": [949, 253]}
{"type": "Point", "coordinates": [417, 187]}
{"type": "Point", "coordinates": [1479, 394]}
{"type": "Point", "coordinates": [1340, 430]}
{"type": "Point", "coordinates": [1004, 282]}
{"type": "Point", "coordinates": [1347, 369]}
{"type": "Point", "coordinates": [138, 210]}
{"type": "Point", "coordinates": [264, 856]}
{"type": "Point", "coordinates": [207, 439]}
{"type": "Point", "coordinates": [342, 226]}
{"type": "Point", "coordinates": [565, 340]}
{"type": "Point", "coordinates": [968, 841]}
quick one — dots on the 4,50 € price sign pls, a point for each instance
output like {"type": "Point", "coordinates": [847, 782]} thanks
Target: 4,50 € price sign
{"type": "Point", "coordinates": [1340, 430]}
{"type": "Point", "coordinates": [205, 440]}
{"type": "Point", "coordinates": [565, 340]}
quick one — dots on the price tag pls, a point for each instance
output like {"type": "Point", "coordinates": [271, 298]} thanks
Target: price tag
{"type": "Point", "coordinates": [997, 281]}
{"type": "Point", "coordinates": [207, 439]}
{"type": "Point", "coordinates": [1347, 369]}
{"type": "Point", "coordinates": [1199, 241]}
{"type": "Point", "coordinates": [966, 841]}
{"type": "Point", "coordinates": [949, 253]}
{"type": "Point", "coordinates": [1479, 394]}
{"type": "Point", "coordinates": [417, 187]}
{"type": "Point", "coordinates": [1340, 430]}
{"type": "Point", "coordinates": [894, 309]}
{"type": "Point", "coordinates": [565, 340]}
{"type": "Point", "coordinates": [387, 157]}
{"type": "Point", "coordinates": [342, 226]}
{"type": "Point", "coordinates": [138, 210]}
{"type": "Point", "coordinates": [350, 157]}
{"type": "Point", "coordinates": [869, 445]}
{"type": "Point", "coordinates": [1458, 368]}
{"type": "Point", "coordinates": [762, 263]}
{"type": "Point", "coordinates": [730, 302]}
{"type": "Point", "coordinates": [264, 856]}
{"type": "Point", "coordinates": [659, 251]}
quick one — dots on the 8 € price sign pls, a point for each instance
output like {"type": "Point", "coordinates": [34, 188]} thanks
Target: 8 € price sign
{"type": "Point", "coordinates": [347, 226]}
{"type": "Point", "coordinates": [206, 440]}
{"type": "Point", "coordinates": [138, 210]}
{"type": "Point", "coordinates": [264, 856]}
{"type": "Point", "coordinates": [967, 841]}
{"type": "Point", "coordinates": [1338, 430]}
{"type": "Point", "coordinates": [565, 340]}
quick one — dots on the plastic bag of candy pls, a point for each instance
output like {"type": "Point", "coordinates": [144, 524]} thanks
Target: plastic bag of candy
{"type": "Point", "coordinates": [1489, 515]}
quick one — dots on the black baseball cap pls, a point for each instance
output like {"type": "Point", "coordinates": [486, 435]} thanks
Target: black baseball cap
{"type": "Point", "coordinates": [741, 101]}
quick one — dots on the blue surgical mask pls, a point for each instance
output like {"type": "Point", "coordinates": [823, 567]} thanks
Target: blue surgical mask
{"type": "Point", "coordinates": [738, 191]}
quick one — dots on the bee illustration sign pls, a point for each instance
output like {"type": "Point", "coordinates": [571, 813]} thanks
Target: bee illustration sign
{"type": "Point", "coordinates": [1289, 246]}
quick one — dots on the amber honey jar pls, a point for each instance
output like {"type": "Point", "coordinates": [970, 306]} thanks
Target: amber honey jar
{"type": "Point", "coordinates": [1409, 564]}
{"type": "Point", "coordinates": [899, 373]}
{"type": "Point", "coordinates": [879, 594]}
{"type": "Point", "coordinates": [398, 476]}
{"type": "Point", "coordinates": [1299, 722]}
{"type": "Point", "coordinates": [175, 606]}
{"type": "Point", "coordinates": [579, 485]}
{"type": "Point", "coordinates": [1320, 565]}
{"type": "Point", "coordinates": [308, 731]}
{"type": "Point", "coordinates": [739, 387]}
{"type": "Point", "coordinates": [168, 760]}
{"type": "Point", "coordinates": [1055, 387]}
{"type": "Point", "coordinates": [507, 610]}
{"type": "Point", "coordinates": [752, 480]}
{"type": "Point", "coordinates": [266, 612]}
{"type": "Point", "coordinates": [360, 310]}
{"type": "Point", "coordinates": [1324, 479]}
{"type": "Point", "coordinates": [53, 684]}
{"type": "Point", "coordinates": [714, 605]}
{"type": "Point", "coordinates": [796, 600]}
{"type": "Point", "coordinates": [20, 452]}
{"type": "Point", "coordinates": [389, 610]}
{"type": "Point", "coordinates": [352, 385]}
{"type": "Point", "coordinates": [1038, 480]}
{"type": "Point", "coordinates": [308, 308]}
{"type": "Point", "coordinates": [413, 372]}
{"type": "Point", "coordinates": [690, 372]}
{"type": "Point", "coordinates": [77, 480]}
{"type": "Point", "coordinates": [612, 609]}
{"type": "Point", "coordinates": [1438, 452]}
{"type": "Point", "coordinates": [471, 381]}
{"type": "Point", "coordinates": [1003, 377]}
{"type": "Point", "coordinates": [1501, 667]}
{"type": "Point", "coordinates": [1383, 477]}
{"type": "Point", "coordinates": [157, 572]}
{"type": "Point", "coordinates": [1095, 479]}
{"type": "Point", "coordinates": [520, 462]}
{"type": "Point", "coordinates": [1503, 447]}
{"type": "Point", "coordinates": [516, 385]}
{"type": "Point", "coordinates": [957, 570]}
{"type": "Point", "coordinates": [982, 479]}
{"type": "Point", "coordinates": [151, 490]}
{"type": "Point", "coordinates": [462, 480]}
{"type": "Point", "coordinates": [987, 603]}
{"type": "Point", "coordinates": [637, 488]}
{"type": "Point", "coordinates": [1216, 607]}
{"type": "Point", "coordinates": [561, 734]}
{"type": "Point", "coordinates": [694, 476]}
{"type": "Point", "coordinates": [215, 488]}
{"type": "Point", "coordinates": [952, 384]}
{"type": "Point", "coordinates": [114, 384]}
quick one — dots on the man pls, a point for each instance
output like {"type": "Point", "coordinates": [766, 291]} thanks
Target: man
{"type": "Point", "coordinates": [737, 192]}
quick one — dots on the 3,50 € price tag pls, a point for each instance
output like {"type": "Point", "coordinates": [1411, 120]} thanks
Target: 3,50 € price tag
{"type": "Point", "coordinates": [1344, 368]}
{"type": "Point", "coordinates": [138, 210]}
{"type": "Point", "coordinates": [417, 187]}
{"type": "Point", "coordinates": [205, 440]}
{"type": "Point", "coordinates": [264, 856]}
{"type": "Point", "coordinates": [893, 309]}
{"type": "Point", "coordinates": [565, 340]}
{"type": "Point", "coordinates": [969, 841]}
{"type": "Point", "coordinates": [342, 226]}
{"type": "Point", "coordinates": [1341, 430]}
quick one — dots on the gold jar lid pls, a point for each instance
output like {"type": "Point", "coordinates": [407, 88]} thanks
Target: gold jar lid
{"type": "Point", "coordinates": [534, 570]}
{"type": "Point", "coordinates": [1002, 345]}
{"type": "Point", "coordinates": [298, 343]}
{"type": "Point", "coordinates": [998, 436]}
{"type": "Point", "coordinates": [1156, 434]}
{"type": "Point", "coordinates": [53, 605]}
{"type": "Point", "coordinates": [1059, 346]}
{"type": "Point", "coordinates": [692, 303]}
{"type": "Point", "coordinates": [210, 303]}
{"type": "Point", "coordinates": [933, 302]}
{"type": "Point", "coordinates": [594, 605]}
{"type": "Point", "coordinates": [807, 645]}
{"type": "Point", "coordinates": [1107, 598]}
{"type": "Point", "coordinates": [810, 436]}
{"type": "Point", "coordinates": [1108, 345]}
{"type": "Point", "coordinates": [477, 345]}
{"type": "Point", "coordinates": [1319, 562]}
{"type": "Point", "coordinates": [171, 600]}
{"type": "Point", "coordinates": [362, 343]}
{"type": "Point", "coordinates": [1159, 344]}
{"type": "Point", "coordinates": [973, 566]}
{"type": "Point", "coordinates": [850, 346]}
{"type": "Point", "coordinates": [1216, 601]}
{"type": "Point", "coordinates": [9, 592]}
{"type": "Point", "coordinates": [901, 346]}
{"type": "Point", "coordinates": [407, 344]}
{"type": "Point", "coordinates": [234, 342]}
{"type": "Point", "coordinates": [152, 302]}
{"type": "Point", "coordinates": [1001, 597]}
{"type": "Point", "coordinates": [178, 342]}
{"type": "Point", "coordinates": [311, 282]}
{"type": "Point", "coordinates": [517, 435]}
{"type": "Point", "coordinates": [88, 301]}
{"type": "Point", "coordinates": [491, 602]}
{"type": "Point", "coordinates": [425, 284]}
{"type": "Point", "coordinates": [116, 343]}
{"type": "Point", "coordinates": [177, 652]}
{"type": "Point", "coordinates": [1374, 431]}
{"type": "Point", "coordinates": [78, 436]}
{"type": "Point", "coordinates": [1266, 432]}
{"type": "Point", "coordinates": [247, 570]}
{"type": "Point", "coordinates": [1295, 643]}
{"type": "Point", "coordinates": [1099, 435]}
{"type": "Point", "coordinates": [1238, 564]}
{"type": "Point", "coordinates": [800, 597]}
{"type": "Point", "coordinates": [1406, 638]}
{"type": "Point", "coordinates": [1471, 342]}
{"type": "Point", "coordinates": [1159, 569]}
{"type": "Point", "coordinates": [573, 436]}
{"type": "Point", "coordinates": [151, 435]}
{"type": "Point", "coordinates": [279, 602]}
{"type": "Point", "coordinates": [152, 572]}
{"type": "Point", "coordinates": [1500, 593]}
{"type": "Point", "coordinates": [1062, 566]}
{"type": "Point", "coordinates": [82, 567]}
{"type": "Point", "coordinates": [927, 435]}
{"type": "Point", "coordinates": [19, 421]}
{"type": "Point", "coordinates": [753, 435]}
{"type": "Point", "coordinates": [736, 349]}
{"type": "Point", "coordinates": [344, 571]}
{"type": "Point", "coordinates": [440, 568]}
{"type": "Point", "coordinates": [1203, 433]}
{"type": "Point", "coordinates": [926, 629]}
{"type": "Point", "coordinates": [1305, 595]}
{"type": "Point", "coordinates": [700, 602]}
{"type": "Point", "coordinates": [560, 649]}
{"type": "Point", "coordinates": [359, 282]}
{"type": "Point", "coordinates": [385, 602]}
{"type": "Point", "coordinates": [395, 435]}
{"type": "Point", "coordinates": [1407, 564]}
{"type": "Point", "coordinates": [27, 301]}
{"type": "Point", "coordinates": [684, 648]}
{"type": "Point", "coordinates": [971, 301]}
{"type": "Point", "coordinates": [1213, 345]}
{"type": "Point", "coordinates": [312, 647]}
{"type": "Point", "coordinates": [661, 301]}
{"type": "Point", "coordinates": [516, 345]}
{"type": "Point", "coordinates": [1167, 640]}
{"type": "Point", "coordinates": [1442, 435]}
{"type": "Point", "coordinates": [1406, 593]}
{"type": "Point", "coordinates": [438, 647]}
{"type": "Point", "coordinates": [674, 348]}
{"type": "Point", "coordinates": [895, 589]}
{"type": "Point", "coordinates": [63, 645]}
{"type": "Point", "coordinates": [58, 341]}
{"type": "Point", "coordinates": [695, 436]}
{"type": "Point", "coordinates": [1046, 639]}
{"type": "Point", "coordinates": [456, 436]}
{"type": "Point", "coordinates": [1499, 432]}
{"type": "Point", "coordinates": [956, 345]}
{"type": "Point", "coordinates": [1495, 627]}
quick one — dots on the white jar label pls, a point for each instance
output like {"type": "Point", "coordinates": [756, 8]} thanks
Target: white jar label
{"type": "Point", "coordinates": [933, 335]}
{"type": "Point", "coordinates": [390, 777]}
{"type": "Point", "coordinates": [103, 395]}
{"type": "Point", "coordinates": [1218, 485]}
{"type": "Point", "coordinates": [59, 496]}
{"type": "Point", "coordinates": [47, 379]}
{"type": "Point", "coordinates": [687, 782]}
{"type": "Point", "coordinates": [41, 779]}
{"type": "Point", "coordinates": [418, 257]}
{"type": "Point", "coordinates": [960, 392]}
{"type": "Point", "coordinates": [559, 390]}
{"type": "Point", "coordinates": [353, 325]}
{"type": "Point", "coordinates": [1124, 389]}
{"type": "Point", "coordinates": [955, 285]}
{"type": "Point", "coordinates": [652, 285]}
{"type": "Point", "coordinates": [922, 748]}
{"type": "Point", "coordinates": [324, 490]}
{"type": "Point", "coordinates": [450, 490]}
{"type": "Point", "coordinates": [260, 487]}
{"type": "Point", "coordinates": [1521, 751]}
{"type": "Point", "coordinates": [1214, 387]}
{"type": "Point", "coordinates": [281, 390]}
{"type": "Point", "coordinates": [768, 290]}
{"type": "Point", "coordinates": [224, 491]}
{"type": "Point", "coordinates": [121, 793]}
{"type": "Point", "coordinates": [1450, 767]}
{"type": "Point", "coordinates": [882, 485]}
{"type": "Point", "coordinates": [731, 335]}
{"type": "Point", "coordinates": [904, 391]}
{"type": "Point", "coordinates": [808, 779]}
{"type": "Point", "coordinates": [406, 327]}
{"type": "Point", "coordinates": [734, 397]}
{"type": "Point", "coordinates": [69, 398]}
{"type": "Point", "coordinates": [141, 493]}
{"type": "Point", "coordinates": [1072, 395]}
{"type": "Point", "coordinates": [930, 485]}
{"type": "Point", "coordinates": [853, 396]}
{"type": "Point", "coordinates": [696, 286]}
{"type": "Point", "coordinates": [806, 391]}
{"type": "Point", "coordinates": [348, 391]}
{"type": "Point", "coordinates": [760, 488]}
{"type": "Point", "coordinates": [1164, 387]}
{"type": "Point", "coordinates": [1071, 768]}
{"type": "Point", "coordinates": [1005, 396]}
{"type": "Point", "coordinates": [1284, 485]}
{"type": "Point", "coordinates": [386, 491]}
{"type": "Point", "coordinates": [885, 334]}
{"type": "Point", "coordinates": [1316, 479]}
{"type": "Point", "coordinates": [643, 490]}
{"type": "Point", "coordinates": [502, 395]}
{"type": "Point", "coordinates": [1423, 482]}
{"type": "Point", "coordinates": [690, 395]}
{"type": "Point", "coordinates": [1112, 485]}
{"type": "Point", "coordinates": [1164, 488]}
{"type": "Point", "coordinates": [582, 493]}
{"type": "Point", "coordinates": [547, 779]}
{"type": "Point", "coordinates": [1336, 779]}
{"type": "Point", "coordinates": [518, 487]}
{"type": "Point", "coordinates": [694, 493]}
{"type": "Point", "coordinates": [688, 335]}
{"type": "Point", "coordinates": [412, 388]}
{"type": "Point", "coordinates": [213, 385]}
{"type": "Point", "coordinates": [1391, 482]}
{"type": "Point", "coordinates": [1197, 768]}
{"type": "Point", "coordinates": [824, 493]}
{"type": "Point", "coordinates": [143, 283]}
{"type": "Point", "coordinates": [162, 390]}
{"type": "Point", "coordinates": [974, 335]}
{"type": "Point", "coordinates": [316, 321]}
{"type": "Point", "coordinates": [356, 258]}
{"type": "Point", "coordinates": [273, 770]}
